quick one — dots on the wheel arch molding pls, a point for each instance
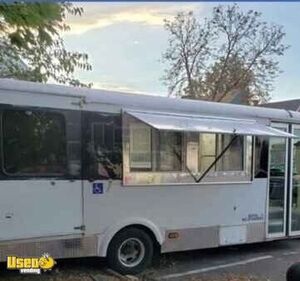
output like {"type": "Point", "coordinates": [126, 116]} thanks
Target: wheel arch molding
{"type": "Point", "coordinates": [146, 225]}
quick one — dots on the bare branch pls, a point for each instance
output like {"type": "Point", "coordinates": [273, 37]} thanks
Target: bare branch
{"type": "Point", "coordinates": [231, 50]}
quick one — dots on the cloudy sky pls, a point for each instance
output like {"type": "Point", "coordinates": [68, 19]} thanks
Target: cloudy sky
{"type": "Point", "coordinates": [125, 42]}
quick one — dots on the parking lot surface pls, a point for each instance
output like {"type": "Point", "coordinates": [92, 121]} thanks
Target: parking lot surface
{"type": "Point", "coordinates": [265, 261]}
{"type": "Point", "coordinates": [259, 262]}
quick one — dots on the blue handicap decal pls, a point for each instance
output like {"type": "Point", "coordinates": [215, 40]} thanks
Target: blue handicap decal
{"type": "Point", "coordinates": [97, 188]}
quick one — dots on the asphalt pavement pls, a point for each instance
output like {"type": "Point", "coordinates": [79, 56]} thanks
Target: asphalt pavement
{"type": "Point", "coordinates": [265, 261]}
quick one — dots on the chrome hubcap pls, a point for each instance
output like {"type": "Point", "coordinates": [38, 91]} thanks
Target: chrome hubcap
{"type": "Point", "coordinates": [131, 252]}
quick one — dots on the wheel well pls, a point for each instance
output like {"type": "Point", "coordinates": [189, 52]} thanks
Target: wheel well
{"type": "Point", "coordinates": [147, 230]}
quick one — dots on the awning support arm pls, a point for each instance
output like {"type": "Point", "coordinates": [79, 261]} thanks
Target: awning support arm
{"type": "Point", "coordinates": [217, 158]}
{"type": "Point", "coordinates": [187, 168]}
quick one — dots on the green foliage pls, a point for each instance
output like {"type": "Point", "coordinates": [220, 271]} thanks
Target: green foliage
{"type": "Point", "coordinates": [232, 50]}
{"type": "Point", "coordinates": [31, 44]}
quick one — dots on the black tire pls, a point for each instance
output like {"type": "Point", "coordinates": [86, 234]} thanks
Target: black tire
{"type": "Point", "coordinates": [117, 243]}
{"type": "Point", "coordinates": [293, 273]}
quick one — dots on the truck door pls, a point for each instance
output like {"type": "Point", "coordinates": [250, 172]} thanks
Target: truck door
{"type": "Point", "coordinates": [102, 163]}
{"type": "Point", "coordinates": [294, 216]}
{"type": "Point", "coordinates": [40, 184]}
{"type": "Point", "coordinates": [278, 180]}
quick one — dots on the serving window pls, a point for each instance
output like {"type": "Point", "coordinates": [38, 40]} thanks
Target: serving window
{"type": "Point", "coordinates": [211, 145]}
{"type": "Point", "coordinates": [169, 151]}
{"type": "Point", "coordinates": [174, 148]}
{"type": "Point", "coordinates": [140, 147]}
{"type": "Point", "coordinates": [153, 156]}
{"type": "Point", "coordinates": [152, 150]}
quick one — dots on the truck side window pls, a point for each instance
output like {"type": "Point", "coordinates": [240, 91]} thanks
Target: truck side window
{"type": "Point", "coordinates": [34, 143]}
{"type": "Point", "coordinates": [261, 157]}
{"type": "Point", "coordinates": [102, 146]}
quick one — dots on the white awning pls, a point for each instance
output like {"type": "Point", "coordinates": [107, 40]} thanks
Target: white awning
{"type": "Point", "coordinates": [206, 124]}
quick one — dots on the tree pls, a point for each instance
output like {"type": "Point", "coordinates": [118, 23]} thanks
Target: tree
{"type": "Point", "coordinates": [231, 81]}
{"type": "Point", "coordinates": [232, 50]}
{"type": "Point", "coordinates": [31, 44]}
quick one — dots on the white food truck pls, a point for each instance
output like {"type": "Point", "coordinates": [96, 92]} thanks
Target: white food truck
{"type": "Point", "coordinates": [97, 173]}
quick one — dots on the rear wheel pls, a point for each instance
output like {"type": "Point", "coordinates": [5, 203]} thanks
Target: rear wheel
{"type": "Point", "coordinates": [130, 251]}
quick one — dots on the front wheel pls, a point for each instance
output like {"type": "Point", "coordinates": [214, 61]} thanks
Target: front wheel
{"type": "Point", "coordinates": [130, 251]}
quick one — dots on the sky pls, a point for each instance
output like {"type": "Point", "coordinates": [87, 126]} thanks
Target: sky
{"type": "Point", "coordinates": [125, 42]}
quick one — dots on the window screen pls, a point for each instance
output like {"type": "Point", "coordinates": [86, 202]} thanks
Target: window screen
{"type": "Point", "coordinates": [34, 143]}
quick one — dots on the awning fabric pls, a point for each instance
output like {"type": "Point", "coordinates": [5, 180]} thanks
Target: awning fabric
{"type": "Point", "coordinates": [205, 124]}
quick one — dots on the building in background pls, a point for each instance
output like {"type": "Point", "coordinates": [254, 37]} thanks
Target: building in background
{"type": "Point", "coordinates": [235, 96]}
{"type": "Point", "coordinates": [293, 105]}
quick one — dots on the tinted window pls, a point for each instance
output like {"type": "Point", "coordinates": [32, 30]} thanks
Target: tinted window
{"type": "Point", "coordinates": [34, 143]}
{"type": "Point", "coordinates": [102, 136]}
{"type": "Point", "coordinates": [261, 157]}
{"type": "Point", "coordinates": [73, 136]}
{"type": "Point", "coordinates": [296, 182]}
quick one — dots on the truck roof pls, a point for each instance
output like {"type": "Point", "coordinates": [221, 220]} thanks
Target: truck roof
{"type": "Point", "coordinates": [151, 102]}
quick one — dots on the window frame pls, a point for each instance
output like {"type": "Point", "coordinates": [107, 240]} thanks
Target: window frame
{"type": "Point", "coordinates": [183, 177]}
